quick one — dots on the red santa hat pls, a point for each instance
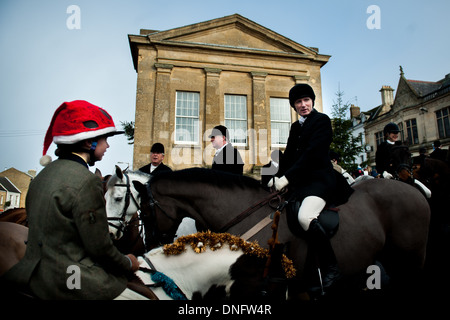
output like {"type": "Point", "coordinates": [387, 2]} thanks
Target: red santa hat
{"type": "Point", "coordinates": [76, 121]}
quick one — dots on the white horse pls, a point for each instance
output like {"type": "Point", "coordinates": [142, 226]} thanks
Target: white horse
{"type": "Point", "coordinates": [198, 264]}
{"type": "Point", "coordinates": [123, 201]}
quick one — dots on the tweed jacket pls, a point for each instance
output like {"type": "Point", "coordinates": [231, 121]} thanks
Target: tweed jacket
{"type": "Point", "coordinates": [228, 160]}
{"type": "Point", "coordinates": [306, 164]}
{"type": "Point", "coordinates": [68, 228]}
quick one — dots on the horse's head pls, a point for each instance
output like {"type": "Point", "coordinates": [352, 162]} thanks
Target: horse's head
{"type": "Point", "coordinates": [401, 161]}
{"type": "Point", "coordinates": [160, 226]}
{"type": "Point", "coordinates": [122, 200]}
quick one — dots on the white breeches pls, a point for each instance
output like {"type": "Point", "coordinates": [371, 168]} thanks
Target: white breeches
{"type": "Point", "coordinates": [310, 210]}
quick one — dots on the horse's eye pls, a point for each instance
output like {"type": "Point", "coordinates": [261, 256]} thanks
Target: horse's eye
{"type": "Point", "coordinates": [118, 199]}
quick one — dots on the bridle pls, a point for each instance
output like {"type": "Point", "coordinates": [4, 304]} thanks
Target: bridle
{"type": "Point", "coordinates": [153, 236]}
{"type": "Point", "coordinates": [402, 164]}
{"type": "Point", "coordinates": [128, 197]}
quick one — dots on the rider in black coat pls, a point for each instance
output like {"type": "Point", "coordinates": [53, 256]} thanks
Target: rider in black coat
{"type": "Point", "coordinates": [307, 169]}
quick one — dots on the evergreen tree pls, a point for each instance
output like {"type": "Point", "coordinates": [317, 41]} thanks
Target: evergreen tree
{"type": "Point", "coordinates": [347, 146]}
{"type": "Point", "coordinates": [128, 127]}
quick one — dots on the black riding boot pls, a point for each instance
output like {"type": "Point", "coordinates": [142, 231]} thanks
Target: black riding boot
{"type": "Point", "coordinates": [320, 243]}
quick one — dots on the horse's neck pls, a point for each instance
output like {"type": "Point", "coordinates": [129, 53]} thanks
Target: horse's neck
{"type": "Point", "coordinates": [206, 205]}
{"type": "Point", "coordinates": [195, 272]}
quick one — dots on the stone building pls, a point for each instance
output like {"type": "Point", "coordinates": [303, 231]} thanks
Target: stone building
{"type": "Point", "coordinates": [21, 180]}
{"type": "Point", "coordinates": [229, 71]}
{"type": "Point", "coordinates": [421, 110]}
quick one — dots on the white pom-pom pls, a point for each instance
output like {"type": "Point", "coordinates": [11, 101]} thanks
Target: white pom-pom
{"type": "Point", "coordinates": [45, 160]}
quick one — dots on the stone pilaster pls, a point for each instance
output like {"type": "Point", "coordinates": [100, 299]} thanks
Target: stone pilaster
{"type": "Point", "coordinates": [212, 109]}
{"type": "Point", "coordinates": [258, 142]}
{"type": "Point", "coordinates": [161, 114]}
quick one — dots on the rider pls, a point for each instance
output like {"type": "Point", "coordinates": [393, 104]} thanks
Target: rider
{"type": "Point", "coordinates": [69, 253]}
{"type": "Point", "coordinates": [384, 160]}
{"type": "Point", "coordinates": [383, 157]}
{"type": "Point", "coordinates": [307, 169]}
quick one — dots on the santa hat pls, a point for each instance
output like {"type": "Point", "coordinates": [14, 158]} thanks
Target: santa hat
{"type": "Point", "coordinates": [77, 121]}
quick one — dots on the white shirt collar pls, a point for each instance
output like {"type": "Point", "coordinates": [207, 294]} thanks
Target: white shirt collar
{"type": "Point", "coordinates": [220, 149]}
{"type": "Point", "coordinates": [301, 120]}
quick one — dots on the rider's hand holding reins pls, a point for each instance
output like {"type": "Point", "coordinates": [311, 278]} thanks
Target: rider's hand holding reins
{"type": "Point", "coordinates": [134, 262]}
{"type": "Point", "coordinates": [279, 183]}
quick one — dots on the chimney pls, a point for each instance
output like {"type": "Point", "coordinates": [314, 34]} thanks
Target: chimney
{"type": "Point", "coordinates": [355, 111]}
{"type": "Point", "coordinates": [387, 96]}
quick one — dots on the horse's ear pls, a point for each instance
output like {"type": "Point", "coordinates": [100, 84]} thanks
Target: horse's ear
{"type": "Point", "coordinates": [119, 173]}
{"type": "Point", "coordinates": [98, 173]}
{"type": "Point", "coordinates": [140, 188]}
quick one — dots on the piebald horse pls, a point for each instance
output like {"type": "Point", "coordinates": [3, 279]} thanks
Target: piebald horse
{"type": "Point", "coordinates": [202, 266]}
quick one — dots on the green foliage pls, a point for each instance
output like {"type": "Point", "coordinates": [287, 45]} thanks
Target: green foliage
{"type": "Point", "coordinates": [128, 127]}
{"type": "Point", "coordinates": [347, 146]}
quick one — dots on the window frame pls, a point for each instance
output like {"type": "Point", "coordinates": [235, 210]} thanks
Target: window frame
{"type": "Point", "coordinates": [281, 121]}
{"type": "Point", "coordinates": [195, 133]}
{"type": "Point", "coordinates": [229, 120]}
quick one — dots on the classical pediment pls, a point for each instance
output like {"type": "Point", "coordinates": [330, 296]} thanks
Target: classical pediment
{"type": "Point", "coordinates": [234, 32]}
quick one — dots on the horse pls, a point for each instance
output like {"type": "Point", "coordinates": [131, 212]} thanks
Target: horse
{"type": "Point", "coordinates": [122, 200]}
{"type": "Point", "coordinates": [435, 174]}
{"type": "Point", "coordinates": [373, 224]}
{"type": "Point", "coordinates": [126, 223]}
{"type": "Point", "coordinates": [13, 237]}
{"type": "Point", "coordinates": [16, 215]}
{"type": "Point", "coordinates": [402, 163]}
{"type": "Point", "coordinates": [202, 266]}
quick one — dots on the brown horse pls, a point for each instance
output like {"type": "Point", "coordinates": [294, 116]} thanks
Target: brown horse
{"type": "Point", "coordinates": [13, 237]}
{"type": "Point", "coordinates": [15, 215]}
{"type": "Point", "coordinates": [373, 223]}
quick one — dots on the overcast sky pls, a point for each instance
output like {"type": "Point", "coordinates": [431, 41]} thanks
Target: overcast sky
{"type": "Point", "coordinates": [43, 62]}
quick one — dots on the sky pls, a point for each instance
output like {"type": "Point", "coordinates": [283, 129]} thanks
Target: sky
{"type": "Point", "coordinates": [47, 57]}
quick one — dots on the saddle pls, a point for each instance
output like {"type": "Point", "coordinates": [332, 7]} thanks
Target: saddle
{"type": "Point", "coordinates": [328, 218]}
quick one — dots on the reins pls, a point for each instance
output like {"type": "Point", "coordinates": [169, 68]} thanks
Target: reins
{"type": "Point", "coordinates": [161, 280]}
{"type": "Point", "coordinates": [246, 213]}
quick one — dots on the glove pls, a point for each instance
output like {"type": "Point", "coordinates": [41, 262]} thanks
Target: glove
{"type": "Point", "coordinates": [280, 183]}
{"type": "Point", "coordinates": [387, 175]}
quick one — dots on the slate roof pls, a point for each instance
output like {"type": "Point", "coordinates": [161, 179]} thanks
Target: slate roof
{"type": "Point", "coordinates": [8, 185]}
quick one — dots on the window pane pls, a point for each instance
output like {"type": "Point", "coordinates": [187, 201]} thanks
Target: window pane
{"type": "Point", "coordinates": [187, 117]}
{"type": "Point", "coordinates": [280, 120]}
{"type": "Point", "coordinates": [280, 110]}
{"type": "Point", "coordinates": [236, 118]}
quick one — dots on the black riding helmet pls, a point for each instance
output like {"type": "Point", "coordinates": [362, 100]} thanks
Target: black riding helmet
{"type": "Point", "coordinates": [391, 128]}
{"type": "Point", "coordinates": [299, 91]}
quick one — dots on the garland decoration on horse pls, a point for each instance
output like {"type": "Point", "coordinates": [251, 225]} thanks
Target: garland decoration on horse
{"type": "Point", "coordinates": [201, 240]}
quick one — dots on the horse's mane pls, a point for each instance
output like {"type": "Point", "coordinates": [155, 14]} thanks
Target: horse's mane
{"type": "Point", "coordinates": [113, 179]}
{"type": "Point", "coordinates": [200, 241]}
{"type": "Point", "coordinates": [219, 178]}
